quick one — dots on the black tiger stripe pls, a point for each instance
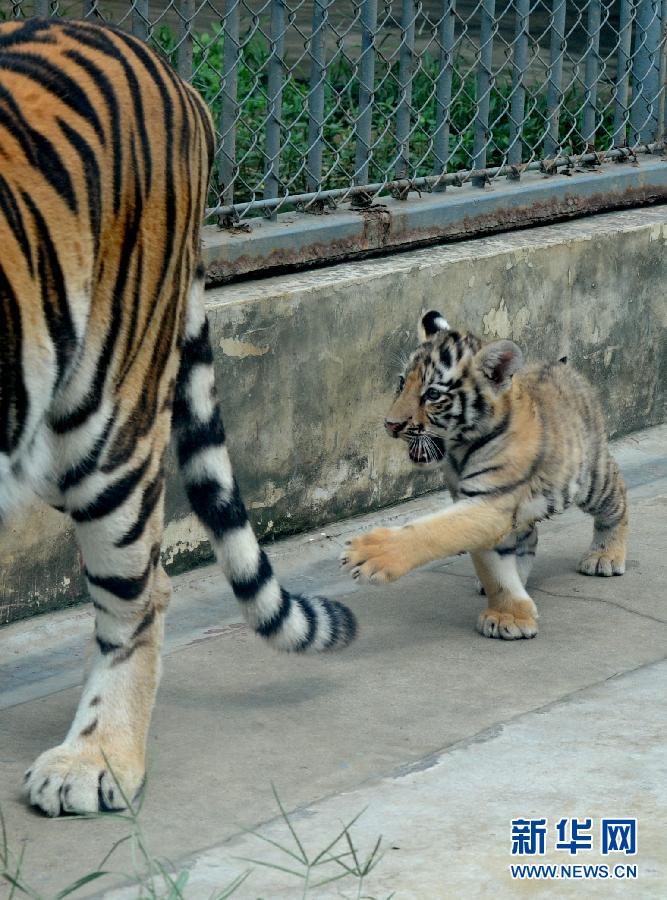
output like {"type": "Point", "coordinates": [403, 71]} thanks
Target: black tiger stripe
{"type": "Point", "coordinates": [127, 652]}
{"type": "Point", "coordinates": [55, 80]}
{"type": "Point", "coordinates": [311, 618]}
{"type": "Point", "coordinates": [55, 302]}
{"type": "Point", "coordinates": [14, 401]}
{"type": "Point", "coordinates": [217, 513]}
{"type": "Point", "coordinates": [145, 623]}
{"type": "Point", "coordinates": [108, 94]}
{"type": "Point", "coordinates": [123, 588]}
{"type": "Point", "coordinates": [149, 500]}
{"type": "Point", "coordinates": [88, 464]}
{"type": "Point", "coordinates": [137, 294]}
{"type": "Point", "coordinates": [106, 647]}
{"type": "Point", "coordinates": [505, 551]}
{"type": "Point", "coordinates": [484, 471]}
{"type": "Point", "coordinates": [196, 350]}
{"type": "Point", "coordinates": [89, 729]}
{"type": "Point", "coordinates": [112, 497]}
{"type": "Point", "coordinates": [77, 417]}
{"type": "Point", "coordinates": [98, 40]}
{"type": "Point", "coordinates": [508, 487]}
{"type": "Point", "coordinates": [12, 213]}
{"type": "Point", "coordinates": [272, 626]}
{"type": "Point", "coordinates": [480, 442]}
{"type": "Point", "coordinates": [198, 437]}
{"type": "Point", "coordinates": [91, 173]}
{"type": "Point", "coordinates": [608, 486]}
{"type": "Point", "coordinates": [37, 149]}
{"type": "Point", "coordinates": [33, 29]}
{"type": "Point", "coordinates": [248, 588]}
{"type": "Point", "coordinates": [479, 403]}
{"type": "Point", "coordinates": [150, 63]}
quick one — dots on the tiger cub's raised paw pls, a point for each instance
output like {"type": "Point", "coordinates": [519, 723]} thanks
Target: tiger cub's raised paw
{"type": "Point", "coordinates": [377, 557]}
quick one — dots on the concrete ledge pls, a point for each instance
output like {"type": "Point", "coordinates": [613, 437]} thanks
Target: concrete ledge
{"type": "Point", "coordinates": [306, 364]}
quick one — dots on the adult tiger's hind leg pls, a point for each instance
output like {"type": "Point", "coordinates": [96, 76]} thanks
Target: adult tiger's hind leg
{"type": "Point", "coordinates": [607, 502]}
{"type": "Point", "coordinates": [119, 532]}
{"type": "Point", "coordinates": [511, 612]}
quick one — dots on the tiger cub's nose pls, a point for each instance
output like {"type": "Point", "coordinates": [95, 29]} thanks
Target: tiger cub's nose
{"type": "Point", "coordinates": [394, 428]}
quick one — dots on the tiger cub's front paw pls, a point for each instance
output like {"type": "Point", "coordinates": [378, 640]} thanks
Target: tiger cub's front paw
{"type": "Point", "coordinates": [380, 556]}
{"type": "Point", "coordinates": [504, 625]}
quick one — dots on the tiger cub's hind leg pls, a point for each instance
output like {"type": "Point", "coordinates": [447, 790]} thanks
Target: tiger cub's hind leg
{"type": "Point", "coordinates": [102, 756]}
{"type": "Point", "coordinates": [606, 501]}
{"type": "Point", "coordinates": [511, 613]}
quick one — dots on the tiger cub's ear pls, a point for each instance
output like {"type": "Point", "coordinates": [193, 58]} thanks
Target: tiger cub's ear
{"type": "Point", "coordinates": [499, 361]}
{"type": "Point", "coordinates": [430, 323]}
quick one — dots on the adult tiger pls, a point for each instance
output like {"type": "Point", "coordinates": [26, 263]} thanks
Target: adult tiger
{"type": "Point", "coordinates": [104, 164]}
{"type": "Point", "coordinates": [517, 445]}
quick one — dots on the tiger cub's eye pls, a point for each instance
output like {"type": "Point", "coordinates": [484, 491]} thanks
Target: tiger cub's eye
{"type": "Point", "coordinates": [401, 383]}
{"type": "Point", "coordinates": [432, 394]}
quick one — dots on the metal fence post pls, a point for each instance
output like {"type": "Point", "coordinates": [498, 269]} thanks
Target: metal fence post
{"type": "Point", "coordinates": [230, 109]}
{"type": "Point", "coordinates": [186, 9]}
{"type": "Point", "coordinates": [140, 19]}
{"type": "Point", "coordinates": [623, 64]}
{"type": "Point", "coordinates": [405, 73]}
{"type": "Point", "coordinates": [364, 123]}
{"type": "Point", "coordinates": [646, 73]}
{"type": "Point", "coordinates": [484, 87]}
{"type": "Point", "coordinates": [318, 72]}
{"type": "Point", "coordinates": [274, 105]}
{"type": "Point", "coordinates": [662, 106]}
{"type": "Point", "coordinates": [555, 78]}
{"type": "Point", "coordinates": [591, 73]}
{"type": "Point", "coordinates": [519, 66]}
{"type": "Point", "coordinates": [443, 95]}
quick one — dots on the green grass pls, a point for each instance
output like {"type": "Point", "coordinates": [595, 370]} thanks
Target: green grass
{"type": "Point", "coordinates": [341, 104]}
{"type": "Point", "coordinates": [156, 879]}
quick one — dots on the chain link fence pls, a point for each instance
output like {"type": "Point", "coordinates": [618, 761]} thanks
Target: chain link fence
{"type": "Point", "coordinates": [320, 102]}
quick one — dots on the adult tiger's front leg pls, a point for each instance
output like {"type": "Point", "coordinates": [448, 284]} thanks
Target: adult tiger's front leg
{"type": "Point", "coordinates": [100, 764]}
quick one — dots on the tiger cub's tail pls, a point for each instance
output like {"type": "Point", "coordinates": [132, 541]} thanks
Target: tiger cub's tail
{"type": "Point", "coordinates": [289, 621]}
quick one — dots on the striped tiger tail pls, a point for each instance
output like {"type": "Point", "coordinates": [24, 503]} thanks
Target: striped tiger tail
{"type": "Point", "coordinates": [287, 620]}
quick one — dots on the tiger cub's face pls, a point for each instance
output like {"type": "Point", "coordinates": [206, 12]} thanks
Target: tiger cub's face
{"type": "Point", "coordinates": [448, 392]}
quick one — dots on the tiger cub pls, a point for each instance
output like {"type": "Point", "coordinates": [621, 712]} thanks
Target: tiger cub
{"type": "Point", "coordinates": [105, 155]}
{"type": "Point", "coordinates": [517, 444]}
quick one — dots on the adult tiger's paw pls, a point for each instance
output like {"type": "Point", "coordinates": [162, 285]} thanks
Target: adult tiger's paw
{"type": "Point", "coordinates": [380, 556]}
{"type": "Point", "coordinates": [79, 779]}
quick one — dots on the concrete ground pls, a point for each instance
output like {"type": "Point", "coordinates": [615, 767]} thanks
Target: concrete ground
{"type": "Point", "coordinates": [441, 736]}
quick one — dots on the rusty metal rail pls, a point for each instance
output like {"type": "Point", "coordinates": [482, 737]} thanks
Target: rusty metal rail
{"type": "Point", "coordinates": [296, 240]}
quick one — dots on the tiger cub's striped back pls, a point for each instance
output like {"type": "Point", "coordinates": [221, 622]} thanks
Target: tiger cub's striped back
{"type": "Point", "coordinates": [105, 157]}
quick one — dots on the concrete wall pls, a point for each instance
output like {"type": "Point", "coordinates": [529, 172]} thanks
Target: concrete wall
{"type": "Point", "coordinates": [307, 363]}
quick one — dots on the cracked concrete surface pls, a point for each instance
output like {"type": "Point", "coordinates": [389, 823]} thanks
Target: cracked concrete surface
{"type": "Point", "coordinates": [444, 735]}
